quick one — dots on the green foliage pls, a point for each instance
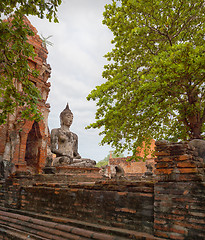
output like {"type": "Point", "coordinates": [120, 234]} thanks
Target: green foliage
{"type": "Point", "coordinates": [155, 79]}
{"type": "Point", "coordinates": [14, 54]}
{"type": "Point", "coordinates": [104, 162]}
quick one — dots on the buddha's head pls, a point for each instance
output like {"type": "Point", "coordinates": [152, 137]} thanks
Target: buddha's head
{"type": "Point", "coordinates": [66, 117]}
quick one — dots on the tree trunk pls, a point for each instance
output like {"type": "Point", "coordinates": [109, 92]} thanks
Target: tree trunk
{"type": "Point", "coordinates": [195, 128]}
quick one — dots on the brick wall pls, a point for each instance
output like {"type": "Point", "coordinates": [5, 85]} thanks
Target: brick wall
{"type": "Point", "coordinates": [132, 166]}
{"type": "Point", "coordinates": [10, 189]}
{"type": "Point", "coordinates": [121, 204]}
{"type": "Point", "coordinates": [179, 192]}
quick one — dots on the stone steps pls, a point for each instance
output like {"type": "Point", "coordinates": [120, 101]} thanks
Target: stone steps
{"type": "Point", "coordinates": [17, 225]}
{"type": "Point", "coordinates": [32, 228]}
{"type": "Point", "coordinates": [8, 233]}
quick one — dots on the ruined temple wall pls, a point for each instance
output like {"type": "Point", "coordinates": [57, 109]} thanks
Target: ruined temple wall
{"type": "Point", "coordinates": [10, 189]}
{"type": "Point", "coordinates": [179, 193]}
{"type": "Point", "coordinates": [119, 204]}
{"type": "Point", "coordinates": [14, 134]}
{"type": "Point", "coordinates": [171, 207]}
{"type": "Point", "coordinates": [122, 204]}
{"type": "Point", "coordinates": [133, 166]}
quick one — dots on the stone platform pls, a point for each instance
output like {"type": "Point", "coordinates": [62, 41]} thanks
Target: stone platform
{"type": "Point", "coordinates": [77, 170]}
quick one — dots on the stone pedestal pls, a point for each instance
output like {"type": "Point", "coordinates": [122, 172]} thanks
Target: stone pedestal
{"type": "Point", "coordinates": [77, 170]}
{"type": "Point", "coordinates": [49, 170]}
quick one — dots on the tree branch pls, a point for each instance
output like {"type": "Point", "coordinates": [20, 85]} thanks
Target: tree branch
{"type": "Point", "coordinates": [177, 15]}
{"type": "Point", "coordinates": [203, 117]}
{"type": "Point", "coordinates": [183, 26]}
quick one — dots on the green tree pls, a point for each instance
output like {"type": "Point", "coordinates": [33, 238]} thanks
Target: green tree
{"type": "Point", "coordinates": [14, 54]}
{"type": "Point", "coordinates": [155, 79]}
{"type": "Point", "coordinates": [104, 162]}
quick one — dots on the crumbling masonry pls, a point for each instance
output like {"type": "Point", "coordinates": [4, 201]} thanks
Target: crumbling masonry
{"type": "Point", "coordinates": [171, 206]}
{"type": "Point", "coordinates": [24, 144]}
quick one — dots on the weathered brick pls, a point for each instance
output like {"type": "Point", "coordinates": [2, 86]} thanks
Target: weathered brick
{"type": "Point", "coordinates": [102, 236]}
{"type": "Point", "coordinates": [197, 214]}
{"type": "Point", "coordinates": [176, 236]}
{"type": "Point", "coordinates": [159, 221]}
{"type": "Point", "coordinates": [165, 164]}
{"type": "Point", "coordinates": [162, 153]}
{"type": "Point", "coordinates": [161, 234]}
{"type": "Point", "coordinates": [164, 171]}
{"type": "Point", "coordinates": [125, 210]}
{"type": "Point", "coordinates": [187, 170]}
{"type": "Point", "coordinates": [186, 165]}
{"type": "Point", "coordinates": [122, 193]}
{"type": "Point", "coordinates": [179, 229]}
{"type": "Point", "coordinates": [184, 157]}
{"type": "Point", "coordinates": [82, 232]}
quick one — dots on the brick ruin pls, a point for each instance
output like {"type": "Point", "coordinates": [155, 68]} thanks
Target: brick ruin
{"type": "Point", "coordinates": [135, 167]}
{"type": "Point", "coordinates": [81, 203]}
{"type": "Point", "coordinates": [179, 205]}
{"type": "Point", "coordinates": [24, 143]}
{"type": "Point", "coordinates": [169, 206]}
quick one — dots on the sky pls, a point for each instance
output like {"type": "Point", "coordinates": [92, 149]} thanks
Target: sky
{"type": "Point", "coordinates": [80, 41]}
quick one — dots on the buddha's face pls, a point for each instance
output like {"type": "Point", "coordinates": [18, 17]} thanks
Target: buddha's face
{"type": "Point", "coordinates": [67, 119]}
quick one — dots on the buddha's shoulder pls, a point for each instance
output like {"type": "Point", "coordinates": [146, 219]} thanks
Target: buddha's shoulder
{"type": "Point", "coordinates": [55, 131]}
{"type": "Point", "coordinates": [74, 134]}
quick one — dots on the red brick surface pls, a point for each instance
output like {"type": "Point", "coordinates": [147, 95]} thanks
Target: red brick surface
{"type": "Point", "coordinates": [21, 129]}
{"type": "Point", "coordinates": [179, 193]}
{"type": "Point", "coordinates": [133, 167]}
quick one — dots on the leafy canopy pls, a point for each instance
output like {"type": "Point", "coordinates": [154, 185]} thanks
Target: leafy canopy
{"type": "Point", "coordinates": [14, 53]}
{"type": "Point", "coordinates": [155, 79]}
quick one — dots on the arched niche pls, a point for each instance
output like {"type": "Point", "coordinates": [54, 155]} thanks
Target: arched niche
{"type": "Point", "coordinates": [33, 145]}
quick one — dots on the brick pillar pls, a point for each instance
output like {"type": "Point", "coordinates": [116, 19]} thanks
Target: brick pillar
{"type": "Point", "coordinates": [20, 149]}
{"type": "Point", "coordinates": [179, 205]}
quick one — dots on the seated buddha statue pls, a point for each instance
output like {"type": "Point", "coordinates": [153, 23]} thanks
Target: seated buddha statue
{"type": "Point", "coordinates": [64, 143]}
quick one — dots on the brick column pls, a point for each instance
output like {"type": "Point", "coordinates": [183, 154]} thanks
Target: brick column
{"type": "Point", "coordinates": [20, 148]}
{"type": "Point", "coordinates": [179, 203]}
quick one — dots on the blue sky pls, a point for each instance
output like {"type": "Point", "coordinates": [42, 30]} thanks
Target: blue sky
{"type": "Point", "coordinates": [80, 41]}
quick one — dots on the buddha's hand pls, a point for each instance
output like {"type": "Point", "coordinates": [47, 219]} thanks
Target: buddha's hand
{"type": "Point", "coordinates": [77, 156]}
{"type": "Point", "coordinates": [57, 152]}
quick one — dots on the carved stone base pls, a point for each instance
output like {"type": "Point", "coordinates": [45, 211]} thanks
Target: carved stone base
{"type": "Point", "coordinates": [76, 170]}
{"type": "Point", "coordinates": [83, 162]}
{"type": "Point", "coordinates": [49, 170]}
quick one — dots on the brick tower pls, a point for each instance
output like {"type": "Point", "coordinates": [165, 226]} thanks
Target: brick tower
{"type": "Point", "coordinates": [23, 144]}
